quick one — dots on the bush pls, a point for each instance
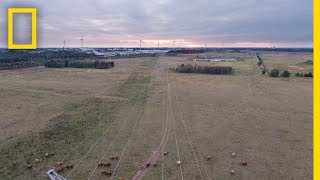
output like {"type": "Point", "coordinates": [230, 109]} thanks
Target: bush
{"type": "Point", "coordinates": [308, 74]}
{"type": "Point", "coordinates": [263, 71]}
{"type": "Point", "coordinates": [297, 74]}
{"type": "Point", "coordinates": [189, 68]}
{"type": "Point", "coordinates": [301, 74]}
{"type": "Point", "coordinates": [274, 73]}
{"type": "Point", "coordinates": [285, 73]}
{"type": "Point", "coordinates": [260, 63]}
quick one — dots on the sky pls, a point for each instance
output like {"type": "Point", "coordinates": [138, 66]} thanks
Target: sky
{"type": "Point", "coordinates": [190, 23]}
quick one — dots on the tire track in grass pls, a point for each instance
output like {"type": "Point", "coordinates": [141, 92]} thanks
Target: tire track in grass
{"type": "Point", "coordinates": [160, 150]}
{"type": "Point", "coordinates": [88, 152]}
{"type": "Point", "coordinates": [174, 131]}
{"type": "Point", "coordinates": [112, 142]}
{"type": "Point", "coordinates": [187, 132]}
{"type": "Point", "coordinates": [145, 87]}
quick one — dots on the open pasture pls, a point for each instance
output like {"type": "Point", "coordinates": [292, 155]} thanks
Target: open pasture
{"type": "Point", "coordinates": [156, 124]}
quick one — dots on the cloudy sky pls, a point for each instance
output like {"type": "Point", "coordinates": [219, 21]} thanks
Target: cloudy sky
{"type": "Point", "coordinates": [191, 23]}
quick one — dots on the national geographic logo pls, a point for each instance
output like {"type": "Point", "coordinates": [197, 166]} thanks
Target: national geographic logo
{"type": "Point", "coordinates": [33, 12]}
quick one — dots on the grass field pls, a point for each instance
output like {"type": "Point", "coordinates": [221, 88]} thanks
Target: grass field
{"type": "Point", "coordinates": [139, 110]}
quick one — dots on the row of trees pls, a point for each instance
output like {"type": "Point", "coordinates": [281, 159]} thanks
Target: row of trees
{"type": "Point", "coordinates": [14, 59]}
{"type": "Point", "coordinates": [304, 74]}
{"type": "Point", "coordinates": [99, 64]}
{"type": "Point", "coordinates": [286, 73]}
{"type": "Point", "coordinates": [189, 68]}
{"type": "Point", "coordinates": [19, 65]}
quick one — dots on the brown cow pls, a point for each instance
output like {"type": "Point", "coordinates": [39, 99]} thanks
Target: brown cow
{"type": "Point", "coordinates": [59, 163]}
{"type": "Point", "coordinates": [141, 167]}
{"type": "Point", "coordinates": [59, 170]}
{"type": "Point", "coordinates": [104, 172]}
{"type": "Point", "coordinates": [104, 164]}
{"type": "Point", "coordinates": [112, 158]}
{"type": "Point", "coordinates": [243, 163]}
{"type": "Point", "coordinates": [69, 166]}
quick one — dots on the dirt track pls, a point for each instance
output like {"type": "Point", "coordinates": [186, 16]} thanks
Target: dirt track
{"type": "Point", "coordinates": [159, 152]}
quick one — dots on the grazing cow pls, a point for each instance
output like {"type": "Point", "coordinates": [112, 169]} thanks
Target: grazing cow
{"type": "Point", "coordinates": [166, 153]}
{"type": "Point", "coordinates": [14, 164]}
{"type": "Point", "coordinates": [112, 158]}
{"type": "Point", "coordinates": [232, 172]}
{"type": "Point", "coordinates": [148, 164]}
{"type": "Point", "coordinates": [104, 164]}
{"type": "Point", "coordinates": [107, 164]}
{"type": "Point", "coordinates": [29, 166]}
{"type": "Point", "coordinates": [243, 163]}
{"type": "Point", "coordinates": [141, 167]}
{"type": "Point", "coordinates": [116, 158]}
{"type": "Point", "coordinates": [209, 157]}
{"type": "Point", "coordinates": [108, 173]}
{"type": "Point", "coordinates": [69, 167]}
{"type": "Point", "coordinates": [59, 170]}
{"type": "Point", "coordinates": [121, 178]}
{"type": "Point", "coordinates": [59, 163]}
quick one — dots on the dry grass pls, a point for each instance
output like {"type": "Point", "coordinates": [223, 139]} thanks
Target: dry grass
{"type": "Point", "coordinates": [265, 121]}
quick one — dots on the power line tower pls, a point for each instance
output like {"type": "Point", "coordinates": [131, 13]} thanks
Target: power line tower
{"type": "Point", "coordinates": [174, 43]}
{"type": "Point", "coordinates": [140, 44]}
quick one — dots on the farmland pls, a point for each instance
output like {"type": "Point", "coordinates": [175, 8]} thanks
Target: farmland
{"type": "Point", "coordinates": [140, 109]}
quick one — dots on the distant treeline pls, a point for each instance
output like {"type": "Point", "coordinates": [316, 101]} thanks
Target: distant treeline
{"type": "Point", "coordinates": [98, 64]}
{"type": "Point", "coordinates": [16, 59]}
{"type": "Point", "coordinates": [186, 51]}
{"type": "Point", "coordinates": [189, 68]}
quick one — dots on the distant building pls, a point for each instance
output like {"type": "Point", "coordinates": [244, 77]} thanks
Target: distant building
{"type": "Point", "coordinates": [216, 59]}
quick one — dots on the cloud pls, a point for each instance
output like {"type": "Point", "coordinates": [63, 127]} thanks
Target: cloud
{"type": "Point", "coordinates": [125, 22]}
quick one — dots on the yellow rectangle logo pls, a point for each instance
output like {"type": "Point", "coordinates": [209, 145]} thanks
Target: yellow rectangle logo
{"type": "Point", "coordinates": [33, 44]}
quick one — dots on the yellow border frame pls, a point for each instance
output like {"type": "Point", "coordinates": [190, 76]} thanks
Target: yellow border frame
{"type": "Point", "coordinates": [33, 44]}
{"type": "Point", "coordinates": [316, 85]}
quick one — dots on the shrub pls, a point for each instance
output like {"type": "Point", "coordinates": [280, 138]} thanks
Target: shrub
{"type": "Point", "coordinates": [297, 74]}
{"type": "Point", "coordinates": [308, 74]}
{"type": "Point", "coordinates": [56, 64]}
{"type": "Point", "coordinates": [285, 73]}
{"type": "Point", "coordinates": [263, 71]}
{"type": "Point", "coordinates": [301, 74]}
{"type": "Point", "coordinates": [260, 63]}
{"type": "Point", "coordinates": [189, 68]}
{"type": "Point", "coordinates": [274, 73]}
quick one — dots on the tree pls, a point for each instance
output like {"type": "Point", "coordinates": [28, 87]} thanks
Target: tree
{"type": "Point", "coordinates": [308, 74]}
{"type": "Point", "coordinates": [274, 73]}
{"type": "Point", "coordinates": [285, 73]}
{"type": "Point", "coordinates": [297, 75]}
